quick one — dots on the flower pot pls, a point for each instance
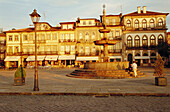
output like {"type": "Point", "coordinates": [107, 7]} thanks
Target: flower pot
{"type": "Point", "coordinates": [160, 81]}
{"type": "Point", "coordinates": [18, 81]}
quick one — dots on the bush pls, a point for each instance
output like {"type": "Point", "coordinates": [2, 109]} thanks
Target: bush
{"type": "Point", "coordinates": [159, 67]}
{"type": "Point", "coordinates": [20, 73]}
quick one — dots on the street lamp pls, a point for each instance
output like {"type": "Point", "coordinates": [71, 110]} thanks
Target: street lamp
{"type": "Point", "coordinates": [35, 17]}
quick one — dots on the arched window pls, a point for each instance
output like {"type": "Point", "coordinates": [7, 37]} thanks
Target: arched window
{"type": "Point", "coordinates": [145, 41]}
{"type": "Point", "coordinates": [160, 39]}
{"type": "Point", "coordinates": [145, 54]}
{"type": "Point", "coordinates": [129, 41]}
{"type": "Point", "coordinates": [153, 54]}
{"type": "Point", "coordinates": [152, 40]}
{"type": "Point", "coordinates": [136, 23]}
{"type": "Point", "coordinates": [152, 23]}
{"type": "Point", "coordinates": [137, 41]}
{"type": "Point", "coordinates": [144, 23]}
{"type": "Point", "coordinates": [80, 36]}
{"type": "Point", "coordinates": [93, 36]}
{"type": "Point", "coordinates": [137, 54]}
{"type": "Point", "coordinates": [160, 22]}
{"type": "Point", "coordinates": [128, 23]}
{"type": "Point", "coordinates": [87, 37]}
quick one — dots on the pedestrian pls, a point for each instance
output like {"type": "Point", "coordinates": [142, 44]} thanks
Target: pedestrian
{"type": "Point", "coordinates": [134, 66]}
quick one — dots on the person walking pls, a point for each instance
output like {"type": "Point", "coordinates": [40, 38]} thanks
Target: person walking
{"type": "Point", "coordinates": [134, 66]}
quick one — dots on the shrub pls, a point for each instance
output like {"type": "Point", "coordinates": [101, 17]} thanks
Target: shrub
{"type": "Point", "coordinates": [159, 67]}
{"type": "Point", "coordinates": [20, 73]}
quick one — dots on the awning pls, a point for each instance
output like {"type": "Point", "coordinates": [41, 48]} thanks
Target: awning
{"type": "Point", "coordinates": [12, 58]}
{"type": "Point", "coordinates": [32, 58]}
{"type": "Point", "coordinates": [87, 58]}
{"type": "Point", "coordinates": [142, 57]}
{"type": "Point", "coordinates": [52, 58]}
{"type": "Point", "coordinates": [66, 57]}
{"type": "Point", "coordinates": [115, 57]}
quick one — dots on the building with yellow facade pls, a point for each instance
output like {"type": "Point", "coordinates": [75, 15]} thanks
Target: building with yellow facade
{"type": "Point", "coordinates": [72, 43]}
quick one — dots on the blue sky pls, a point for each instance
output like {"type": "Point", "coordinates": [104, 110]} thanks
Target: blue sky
{"type": "Point", "coordinates": [15, 13]}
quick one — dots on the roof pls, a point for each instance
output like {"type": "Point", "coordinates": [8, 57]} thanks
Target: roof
{"type": "Point", "coordinates": [21, 30]}
{"type": "Point", "coordinates": [2, 34]}
{"type": "Point", "coordinates": [110, 15]}
{"type": "Point", "coordinates": [67, 22]}
{"type": "Point", "coordinates": [168, 33]}
{"type": "Point", "coordinates": [147, 13]}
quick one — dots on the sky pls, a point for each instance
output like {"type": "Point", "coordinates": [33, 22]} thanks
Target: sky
{"type": "Point", "coordinates": [15, 13]}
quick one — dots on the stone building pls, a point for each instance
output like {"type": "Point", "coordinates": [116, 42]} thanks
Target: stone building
{"type": "Point", "coordinates": [72, 43]}
{"type": "Point", "coordinates": [2, 49]}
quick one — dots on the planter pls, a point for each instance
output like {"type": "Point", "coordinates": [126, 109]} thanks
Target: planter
{"type": "Point", "coordinates": [160, 81]}
{"type": "Point", "coordinates": [18, 81]}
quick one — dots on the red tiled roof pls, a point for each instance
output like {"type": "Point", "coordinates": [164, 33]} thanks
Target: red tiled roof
{"type": "Point", "coordinates": [147, 13]}
{"type": "Point", "coordinates": [21, 30]}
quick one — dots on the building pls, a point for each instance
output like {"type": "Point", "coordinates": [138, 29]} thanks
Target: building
{"type": "Point", "coordinates": [143, 32]}
{"type": "Point", "coordinates": [2, 49]}
{"type": "Point", "coordinates": [72, 43]}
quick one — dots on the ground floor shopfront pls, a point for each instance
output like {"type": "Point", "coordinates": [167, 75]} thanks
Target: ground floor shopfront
{"type": "Point", "coordinates": [71, 60]}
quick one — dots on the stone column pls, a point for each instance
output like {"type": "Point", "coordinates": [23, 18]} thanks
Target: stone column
{"type": "Point", "coordinates": [105, 53]}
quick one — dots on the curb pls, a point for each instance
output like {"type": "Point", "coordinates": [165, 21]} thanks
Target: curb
{"type": "Point", "coordinates": [89, 94]}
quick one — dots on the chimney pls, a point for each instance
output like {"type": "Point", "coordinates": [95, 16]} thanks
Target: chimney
{"type": "Point", "coordinates": [139, 10]}
{"type": "Point", "coordinates": [144, 9]}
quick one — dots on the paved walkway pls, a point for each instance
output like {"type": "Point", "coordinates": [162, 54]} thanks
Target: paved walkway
{"type": "Point", "coordinates": [56, 82]}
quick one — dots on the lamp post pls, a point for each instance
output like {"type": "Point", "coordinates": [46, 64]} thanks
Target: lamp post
{"type": "Point", "coordinates": [35, 19]}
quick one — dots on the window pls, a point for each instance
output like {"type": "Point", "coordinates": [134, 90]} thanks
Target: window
{"type": "Point", "coordinates": [80, 36]}
{"type": "Point", "coordinates": [114, 22]}
{"type": "Point", "coordinates": [48, 36]}
{"type": "Point", "coordinates": [16, 38]}
{"type": "Point", "coordinates": [87, 37]}
{"type": "Point", "coordinates": [160, 22]}
{"type": "Point", "coordinates": [54, 36]}
{"type": "Point", "coordinates": [87, 50]}
{"type": "Point", "coordinates": [81, 50]}
{"type": "Point", "coordinates": [129, 41]}
{"type": "Point", "coordinates": [62, 48]}
{"type": "Point", "coordinates": [107, 21]}
{"type": "Point", "coordinates": [84, 22]}
{"type": "Point", "coordinates": [160, 39]}
{"type": "Point", "coordinates": [67, 37]}
{"type": "Point", "coordinates": [30, 37]}
{"type": "Point", "coordinates": [136, 24]}
{"type": "Point", "coordinates": [128, 23]}
{"type": "Point", "coordinates": [43, 37]}
{"type": "Point", "coordinates": [16, 49]}
{"type": "Point", "coordinates": [145, 41]}
{"type": "Point", "coordinates": [10, 49]}
{"type": "Point", "coordinates": [72, 37]}
{"type": "Point", "coordinates": [93, 36]}
{"type": "Point", "coordinates": [73, 48]}
{"type": "Point", "coordinates": [67, 48]}
{"type": "Point", "coordinates": [144, 23]}
{"type": "Point", "coordinates": [90, 23]}
{"type": "Point", "coordinates": [152, 40]}
{"type": "Point", "coordinates": [93, 49]}
{"type": "Point", "coordinates": [10, 38]}
{"type": "Point", "coordinates": [62, 37]}
{"type": "Point", "coordinates": [25, 38]}
{"type": "Point", "coordinates": [152, 23]}
{"type": "Point", "coordinates": [137, 41]}
{"type": "Point", "coordinates": [70, 26]}
{"type": "Point", "coordinates": [117, 33]}
{"type": "Point", "coordinates": [64, 26]}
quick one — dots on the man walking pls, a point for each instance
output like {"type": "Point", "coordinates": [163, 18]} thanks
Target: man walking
{"type": "Point", "coordinates": [134, 66]}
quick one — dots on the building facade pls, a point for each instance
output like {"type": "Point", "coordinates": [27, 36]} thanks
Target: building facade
{"type": "Point", "coordinates": [2, 49]}
{"type": "Point", "coordinates": [72, 43]}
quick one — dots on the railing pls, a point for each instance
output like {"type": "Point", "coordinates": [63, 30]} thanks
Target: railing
{"type": "Point", "coordinates": [33, 53]}
{"type": "Point", "coordinates": [87, 54]}
{"type": "Point", "coordinates": [163, 27]}
{"type": "Point", "coordinates": [67, 40]}
{"type": "Point", "coordinates": [115, 51]}
{"type": "Point", "coordinates": [141, 47]}
{"type": "Point", "coordinates": [40, 41]}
